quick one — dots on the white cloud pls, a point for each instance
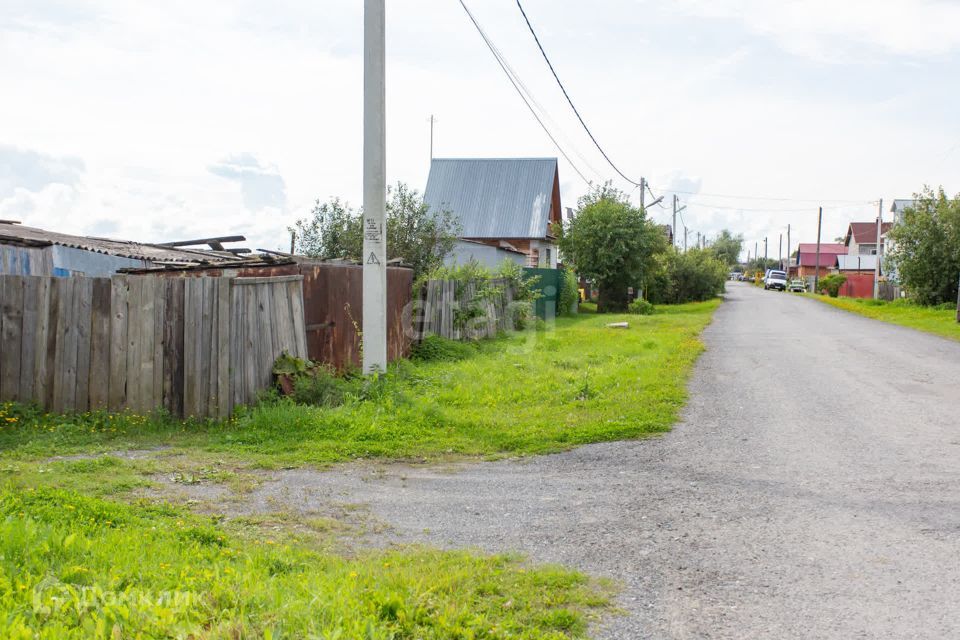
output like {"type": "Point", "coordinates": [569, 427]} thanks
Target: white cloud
{"type": "Point", "coordinates": [830, 30]}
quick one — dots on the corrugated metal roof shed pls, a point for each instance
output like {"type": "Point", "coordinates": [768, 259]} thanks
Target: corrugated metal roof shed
{"type": "Point", "coordinates": [496, 197]}
{"type": "Point", "coordinates": [857, 263]}
{"type": "Point", "coordinates": [13, 233]}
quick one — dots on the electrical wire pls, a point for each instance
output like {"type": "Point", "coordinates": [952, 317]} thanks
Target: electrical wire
{"type": "Point", "coordinates": [567, 96]}
{"type": "Point", "coordinates": [514, 81]}
{"type": "Point", "coordinates": [773, 199]}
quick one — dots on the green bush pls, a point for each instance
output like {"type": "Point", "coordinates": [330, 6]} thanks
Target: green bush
{"type": "Point", "coordinates": [569, 294]}
{"type": "Point", "coordinates": [832, 283]}
{"type": "Point", "coordinates": [641, 307]}
{"type": "Point", "coordinates": [320, 387]}
{"type": "Point", "coordinates": [437, 349]}
{"type": "Point", "coordinates": [693, 276]}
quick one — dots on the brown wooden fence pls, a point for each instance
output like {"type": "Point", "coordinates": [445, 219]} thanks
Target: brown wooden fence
{"type": "Point", "coordinates": [195, 347]}
{"type": "Point", "coordinates": [451, 310]}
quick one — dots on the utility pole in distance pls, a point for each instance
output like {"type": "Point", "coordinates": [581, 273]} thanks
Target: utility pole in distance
{"type": "Point", "coordinates": [765, 254]}
{"type": "Point", "coordinates": [816, 274]}
{"type": "Point", "coordinates": [674, 229]}
{"type": "Point", "coordinates": [432, 122]}
{"type": "Point", "coordinates": [876, 267]}
{"type": "Point", "coordinates": [781, 251]}
{"type": "Point", "coordinates": [643, 193]}
{"type": "Point", "coordinates": [374, 340]}
{"type": "Point", "coordinates": [698, 239]}
{"type": "Point", "coordinates": [788, 251]}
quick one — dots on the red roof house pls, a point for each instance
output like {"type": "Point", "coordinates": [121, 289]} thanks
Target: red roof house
{"type": "Point", "coordinates": [807, 258]}
{"type": "Point", "coordinates": [861, 238]}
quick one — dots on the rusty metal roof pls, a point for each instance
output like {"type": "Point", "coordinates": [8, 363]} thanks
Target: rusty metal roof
{"type": "Point", "coordinates": [11, 233]}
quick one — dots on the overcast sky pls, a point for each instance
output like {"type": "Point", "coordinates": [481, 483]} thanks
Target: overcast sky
{"type": "Point", "coordinates": [161, 120]}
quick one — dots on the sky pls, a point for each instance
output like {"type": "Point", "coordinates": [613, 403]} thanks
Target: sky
{"type": "Point", "coordinates": [184, 119]}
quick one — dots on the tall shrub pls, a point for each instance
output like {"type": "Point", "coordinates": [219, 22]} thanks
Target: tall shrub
{"type": "Point", "coordinates": [926, 248]}
{"type": "Point", "coordinates": [693, 276]}
{"type": "Point", "coordinates": [612, 243]}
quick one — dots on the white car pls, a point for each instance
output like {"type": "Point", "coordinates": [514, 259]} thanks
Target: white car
{"type": "Point", "coordinates": [775, 280]}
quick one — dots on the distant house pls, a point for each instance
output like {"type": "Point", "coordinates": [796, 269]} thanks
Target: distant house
{"type": "Point", "coordinates": [508, 204]}
{"type": "Point", "coordinates": [806, 265]}
{"type": "Point", "coordinates": [856, 264]}
{"type": "Point", "coordinates": [38, 252]}
{"type": "Point", "coordinates": [861, 238]}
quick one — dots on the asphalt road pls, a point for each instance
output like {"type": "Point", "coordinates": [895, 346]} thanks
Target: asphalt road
{"type": "Point", "coordinates": [812, 489]}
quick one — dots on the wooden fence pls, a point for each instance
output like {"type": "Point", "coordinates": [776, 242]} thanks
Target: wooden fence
{"type": "Point", "coordinates": [195, 347]}
{"type": "Point", "coordinates": [443, 310]}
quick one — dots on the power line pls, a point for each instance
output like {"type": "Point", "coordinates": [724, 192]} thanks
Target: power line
{"type": "Point", "coordinates": [816, 201]}
{"type": "Point", "coordinates": [503, 65]}
{"type": "Point", "coordinates": [572, 106]}
{"type": "Point", "coordinates": [707, 205]}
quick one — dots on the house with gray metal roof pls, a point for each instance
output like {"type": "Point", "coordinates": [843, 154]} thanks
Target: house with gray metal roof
{"type": "Point", "coordinates": [508, 203]}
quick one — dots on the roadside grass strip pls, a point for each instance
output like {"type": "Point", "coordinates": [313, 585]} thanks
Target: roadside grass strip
{"type": "Point", "coordinates": [79, 567]}
{"type": "Point", "coordinates": [940, 320]}
{"type": "Point", "coordinates": [536, 392]}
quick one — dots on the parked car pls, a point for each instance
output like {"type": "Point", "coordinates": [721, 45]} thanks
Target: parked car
{"type": "Point", "coordinates": [797, 285]}
{"type": "Point", "coordinates": [775, 280]}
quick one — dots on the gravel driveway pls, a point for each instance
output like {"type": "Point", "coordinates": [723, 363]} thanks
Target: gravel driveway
{"type": "Point", "coordinates": [812, 489]}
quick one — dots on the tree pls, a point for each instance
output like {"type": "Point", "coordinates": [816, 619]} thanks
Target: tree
{"type": "Point", "coordinates": [693, 276]}
{"type": "Point", "coordinates": [415, 235]}
{"type": "Point", "coordinates": [612, 243]}
{"type": "Point", "coordinates": [926, 248]}
{"type": "Point", "coordinates": [727, 247]}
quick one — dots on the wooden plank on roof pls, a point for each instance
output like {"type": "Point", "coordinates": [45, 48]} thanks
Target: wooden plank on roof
{"type": "Point", "coordinates": [119, 302]}
{"type": "Point", "coordinates": [100, 343]}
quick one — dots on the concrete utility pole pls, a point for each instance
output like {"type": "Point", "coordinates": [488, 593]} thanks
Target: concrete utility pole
{"type": "Point", "coordinates": [816, 275]}
{"type": "Point", "coordinates": [698, 239]}
{"type": "Point", "coordinates": [643, 193]}
{"type": "Point", "coordinates": [374, 340]}
{"type": "Point", "coordinates": [788, 250]}
{"type": "Point", "coordinates": [781, 252]}
{"type": "Point", "coordinates": [756, 251]}
{"type": "Point", "coordinates": [876, 267]}
{"type": "Point", "coordinates": [685, 234]}
{"type": "Point", "coordinates": [765, 254]}
{"type": "Point", "coordinates": [674, 229]}
{"type": "Point", "coordinates": [432, 121]}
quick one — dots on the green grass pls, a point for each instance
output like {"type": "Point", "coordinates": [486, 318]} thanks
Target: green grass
{"type": "Point", "coordinates": [534, 393]}
{"type": "Point", "coordinates": [79, 567]}
{"type": "Point", "coordinates": [84, 555]}
{"type": "Point", "coordinates": [941, 321]}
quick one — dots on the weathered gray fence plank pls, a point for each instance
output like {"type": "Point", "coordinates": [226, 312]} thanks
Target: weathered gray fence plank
{"type": "Point", "coordinates": [100, 344]}
{"type": "Point", "coordinates": [11, 334]}
{"type": "Point", "coordinates": [82, 312]}
{"type": "Point", "coordinates": [28, 336]}
{"type": "Point", "coordinates": [119, 323]}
